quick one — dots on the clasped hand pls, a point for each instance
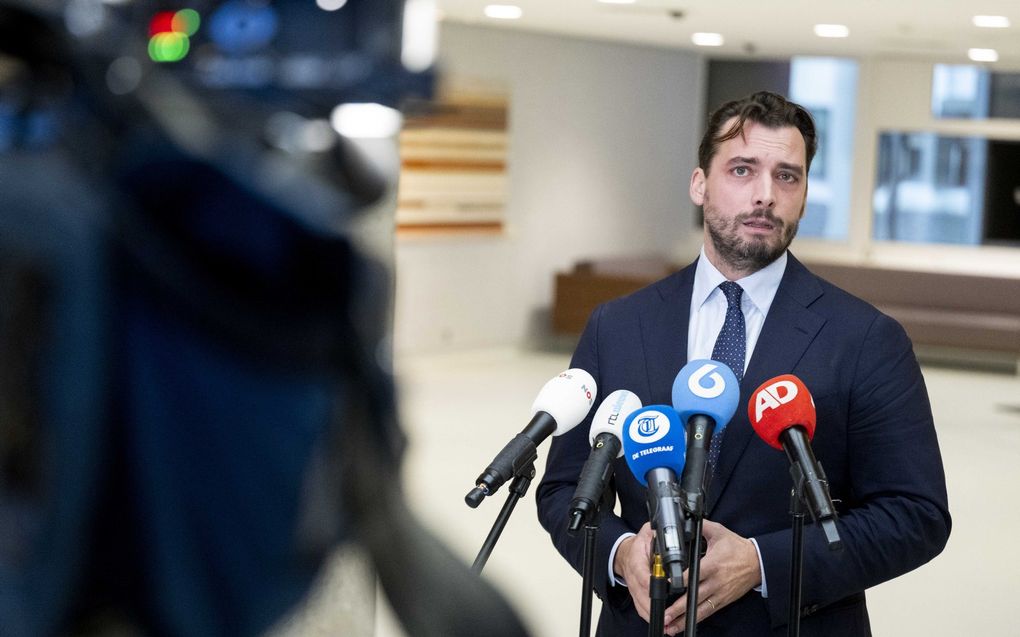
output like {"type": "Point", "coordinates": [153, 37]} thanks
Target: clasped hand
{"type": "Point", "coordinates": [729, 569]}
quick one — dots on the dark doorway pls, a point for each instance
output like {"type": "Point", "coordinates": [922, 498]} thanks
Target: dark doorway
{"type": "Point", "coordinates": [1002, 193]}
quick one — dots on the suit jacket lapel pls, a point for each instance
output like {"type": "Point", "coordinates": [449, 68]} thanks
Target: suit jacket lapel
{"type": "Point", "coordinates": [786, 334]}
{"type": "Point", "coordinates": [664, 335]}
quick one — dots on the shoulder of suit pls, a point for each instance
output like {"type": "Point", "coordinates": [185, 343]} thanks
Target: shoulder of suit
{"type": "Point", "coordinates": [837, 299]}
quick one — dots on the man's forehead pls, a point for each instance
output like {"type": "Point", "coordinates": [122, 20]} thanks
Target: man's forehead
{"type": "Point", "coordinates": [756, 138]}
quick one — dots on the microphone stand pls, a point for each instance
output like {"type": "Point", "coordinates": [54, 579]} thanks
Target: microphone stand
{"type": "Point", "coordinates": [518, 487]}
{"type": "Point", "coordinates": [693, 574]}
{"type": "Point", "coordinates": [588, 577]}
{"type": "Point", "coordinates": [658, 593]}
{"type": "Point", "coordinates": [590, 519]}
{"type": "Point", "coordinates": [694, 507]}
{"type": "Point", "coordinates": [798, 502]}
{"type": "Point", "coordinates": [797, 559]}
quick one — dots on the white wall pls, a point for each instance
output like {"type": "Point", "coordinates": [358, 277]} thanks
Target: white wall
{"type": "Point", "coordinates": [602, 142]}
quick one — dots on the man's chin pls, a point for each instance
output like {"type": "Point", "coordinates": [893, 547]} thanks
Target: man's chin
{"type": "Point", "coordinates": [755, 236]}
{"type": "Point", "coordinates": [759, 253]}
{"type": "Point", "coordinates": [759, 247]}
{"type": "Point", "coordinates": [748, 252]}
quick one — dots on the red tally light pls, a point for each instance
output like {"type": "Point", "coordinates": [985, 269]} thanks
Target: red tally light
{"type": "Point", "coordinates": [162, 22]}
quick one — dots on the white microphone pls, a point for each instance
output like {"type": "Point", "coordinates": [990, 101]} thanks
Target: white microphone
{"type": "Point", "coordinates": [562, 403]}
{"type": "Point", "coordinates": [606, 438]}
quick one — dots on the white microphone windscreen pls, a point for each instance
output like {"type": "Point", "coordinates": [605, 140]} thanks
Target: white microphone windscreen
{"type": "Point", "coordinates": [567, 398]}
{"type": "Point", "coordinates": [611, 413]}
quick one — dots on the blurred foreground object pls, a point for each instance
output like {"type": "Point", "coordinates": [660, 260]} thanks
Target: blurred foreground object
{"type": "Point", "coordinates": [195, 407]}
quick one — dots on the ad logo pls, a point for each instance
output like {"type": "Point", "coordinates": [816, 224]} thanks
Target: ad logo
{"type": "Point", "coordinates": [718, 386]}
{"type": "Point", "coordinates": [649, 428]}
{"type": "Point", "coordinates": [776, 394]}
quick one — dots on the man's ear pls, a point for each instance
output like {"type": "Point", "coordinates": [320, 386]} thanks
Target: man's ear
{"type": "Point", "coordinates": [697, 189]}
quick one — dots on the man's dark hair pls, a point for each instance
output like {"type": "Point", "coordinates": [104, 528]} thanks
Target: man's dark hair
{"type": "Point", "coordinates": [771, 110]}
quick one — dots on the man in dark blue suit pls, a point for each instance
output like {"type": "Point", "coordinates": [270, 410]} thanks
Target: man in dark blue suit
{"type": "Point", "coordinates": [875, 437]}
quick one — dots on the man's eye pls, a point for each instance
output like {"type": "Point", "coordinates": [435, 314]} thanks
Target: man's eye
{"type": "Point", "coordinates": [741, 171]}
{"type": "Point", "coordinates": [788, 177]}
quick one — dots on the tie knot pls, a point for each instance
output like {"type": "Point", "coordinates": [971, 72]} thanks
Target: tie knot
{"type": "Point", "coordinates": [733, 292]}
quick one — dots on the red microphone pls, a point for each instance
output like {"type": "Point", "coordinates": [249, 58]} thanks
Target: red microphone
{"type": "Point", "coordinates": [779, 404]}
{"type": "Point", "coordinates": [783, 415]}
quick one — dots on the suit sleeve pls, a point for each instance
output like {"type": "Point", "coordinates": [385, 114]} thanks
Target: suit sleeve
{"type": "Point", "coordinates": [567, 456]}
{"type": "Point", "coordinates": [897, 517]}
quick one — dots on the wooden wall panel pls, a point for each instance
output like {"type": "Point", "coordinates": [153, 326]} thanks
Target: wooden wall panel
{"type": "Point", "coordinates": [453, 167]}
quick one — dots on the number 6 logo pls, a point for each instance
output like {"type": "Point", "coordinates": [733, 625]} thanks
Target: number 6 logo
{"type": "Point", "coordinates": [714, 390]}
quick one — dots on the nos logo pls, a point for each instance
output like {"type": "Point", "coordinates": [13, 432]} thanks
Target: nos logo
{"type": "Point", "coordinates": [649, 428]}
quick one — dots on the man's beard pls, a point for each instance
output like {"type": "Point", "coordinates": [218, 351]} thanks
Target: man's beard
{"type": "Point", "coordinates": [745, 255]}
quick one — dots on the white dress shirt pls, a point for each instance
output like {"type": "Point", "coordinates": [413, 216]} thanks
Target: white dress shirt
{"type": "Point", "coordinates": [708, 305]}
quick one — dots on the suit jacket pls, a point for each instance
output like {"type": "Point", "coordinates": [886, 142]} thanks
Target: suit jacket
{"type": "Point", "coordinates": [875, 439]}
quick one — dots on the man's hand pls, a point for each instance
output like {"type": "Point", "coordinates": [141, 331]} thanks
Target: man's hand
{"type": "Point", "coordinates": [631, 563]}
{"type": "Point", "coordinates": [729, 570]}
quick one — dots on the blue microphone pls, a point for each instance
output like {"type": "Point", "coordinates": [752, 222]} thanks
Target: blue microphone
{"type": "Point", "coordinates": [654, 446]}
{"type": "Point", "coordinates": [705, 395]}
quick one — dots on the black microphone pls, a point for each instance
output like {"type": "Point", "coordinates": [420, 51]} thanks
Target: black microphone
{"type": "Point", "coordinates": [783, 415]}
{"type": "Point", "coordinates": [705, 395]}
{"type": "Point", "coordinates": [606, 446]}
{"type": "Point", "coordinates": [562, 403]}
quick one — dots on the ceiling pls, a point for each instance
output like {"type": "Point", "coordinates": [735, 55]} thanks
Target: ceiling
{"type": "Point", "coordinates": [938, 30]}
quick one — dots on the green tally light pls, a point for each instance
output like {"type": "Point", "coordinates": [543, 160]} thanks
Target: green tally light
{"type": "Point", "coordinates": [186, 21]}
{"type": "Point", "coordinates": [168, 47]}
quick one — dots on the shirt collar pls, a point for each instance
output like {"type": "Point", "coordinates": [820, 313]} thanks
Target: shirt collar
{"type": "Point", "coordinates": [760, 288]}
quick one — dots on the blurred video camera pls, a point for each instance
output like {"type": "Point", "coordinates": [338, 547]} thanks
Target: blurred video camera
{"type": "Point", "coordinates": [195, 407]}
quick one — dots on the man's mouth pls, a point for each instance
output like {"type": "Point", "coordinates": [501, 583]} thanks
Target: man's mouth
{"type": "Point", "coordinates": [759, 223]}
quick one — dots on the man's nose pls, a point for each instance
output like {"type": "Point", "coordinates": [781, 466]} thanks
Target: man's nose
{"type": "Point", "coordinates": [764, 192]}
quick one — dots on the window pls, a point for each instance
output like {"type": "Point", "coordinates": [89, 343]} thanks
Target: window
{"type": "Point", "coordinates": [943, 189]}
{"type": "Point", "coordinates": [828, 88]}
{"type": "Point", "coordinates": [974, 92]}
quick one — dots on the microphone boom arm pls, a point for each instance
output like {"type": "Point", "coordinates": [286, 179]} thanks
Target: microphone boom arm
{"type": "Point", "coordinates": [811, 485]}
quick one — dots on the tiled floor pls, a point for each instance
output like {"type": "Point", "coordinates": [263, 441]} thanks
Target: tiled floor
{"type": "Point", "coordinates": [460, 409]}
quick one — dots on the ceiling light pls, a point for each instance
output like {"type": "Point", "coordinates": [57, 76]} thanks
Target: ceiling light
{"type": "Point", "coordinates": [503, 11]}
{"type": "Point", "coordinates": [991, 21]}
{"type": "Point", "coordinates": [707, 39]}
{"type": "Point", "coordinates": [831, 30]}
{"type": "Point", "coordinates": [983, 55]}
